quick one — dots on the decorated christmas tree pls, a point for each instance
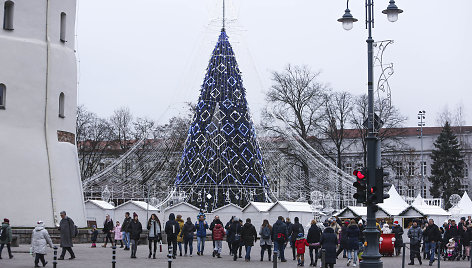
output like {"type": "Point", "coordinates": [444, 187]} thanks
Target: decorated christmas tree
{"type": "Point", "coordinates": [222, 162]}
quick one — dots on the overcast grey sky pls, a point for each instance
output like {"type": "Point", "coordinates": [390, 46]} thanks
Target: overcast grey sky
{"type": "Point", "coordinates": [151, 55]}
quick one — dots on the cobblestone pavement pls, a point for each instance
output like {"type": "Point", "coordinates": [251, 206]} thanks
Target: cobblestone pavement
{"type": "Point", "coordinates": [101, 257]}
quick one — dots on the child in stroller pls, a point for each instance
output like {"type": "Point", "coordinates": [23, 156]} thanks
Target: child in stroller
{"type": "Point", "coordinates": [452, 252]}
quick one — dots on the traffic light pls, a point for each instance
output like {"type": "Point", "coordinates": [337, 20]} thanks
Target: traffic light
{"type": "Point", "coordinates": [361, 185]}
{"type": "Point", "coordinates": [376, 192]}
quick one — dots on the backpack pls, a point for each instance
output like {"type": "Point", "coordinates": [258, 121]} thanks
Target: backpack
{"type": "Point", "coordinates": [3, 233]}
{"type": "Point", "coordinates": [75, 230]}
{"type": "Point", "coordinates": [265, 233]}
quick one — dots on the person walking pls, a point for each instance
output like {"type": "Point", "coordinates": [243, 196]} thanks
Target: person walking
{"type": "Point", "coordinates": [108, 230]}
{"type": "Point", "coordinates": [188, 231]}
{"type": "Point", "coordinates": [328, 242]}
{"type": "Point", "coordinates": [280, 236]}
{"type": "Point", "coordinates": [433, 235]}
{"type": "Point", "coordinates": [249, 236]}
{"type": "Point", "coordinates": [352, 243]}
{"type": "Point", "coordinates": [235, 233]}
{"type": "Point", "coordinates": [154, 235]}
{"type": "Point", "coordinates": [67, 232]}
{"type": "Point", "coordinates": [228, 235]}
{"type": "Point", "coordinates": [180, 238]}
{"type": "Point", "coordinates": [343, 240]}
{"type": "Point", "coordinates": [6, 237]}
{"type": "Point", "coordinates": [124, 229]}
{"type": "Point", "coordinates": [94, 236]}
{"type": "Point", "coordinates": [398, 231]}
{"type": "Point", "coordinates": [135, 228]}
{"type": "Point", "coordinates": [118, 234]}
{"type": "Point", "coordinates": [293, 231]}
{"type": "Point", "coordinates": [266, 239]}
{"type": "Point", "coordinates": [39, 240]}
{"type": "Point", "coordinates": [415, 234]}
{"type": "Point", "coordinates": [201, 226]}
{"type": "Point", "coordinates": [218, 235]}
{"type": "Point", "coordinates": [172, 229]}
{"type": "Point", "coordinates": [313, 239]}
{"type": "Point", "coordinates": [215, 221]}
{"type": "Point", "coordinates": [301, 244]}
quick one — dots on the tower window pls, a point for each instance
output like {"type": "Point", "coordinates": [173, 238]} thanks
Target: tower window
{"type": "Point", "coordinates": [61, 105]}
{"type": "Point", "coordinates": [3, 92]}
{"type": "Point", "coordinates": [63, 27]}
{"type": "Point", "coordinates": [8, 15]}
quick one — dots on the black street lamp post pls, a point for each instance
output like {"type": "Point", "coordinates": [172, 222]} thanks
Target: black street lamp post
{"type": "Point", "coordinates": [371, 256]}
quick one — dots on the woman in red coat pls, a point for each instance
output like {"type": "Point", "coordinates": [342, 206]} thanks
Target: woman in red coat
{"type": "Point", "coordinates": [300, 244]}
{"type": "Point", "coordinates": [218, 235]}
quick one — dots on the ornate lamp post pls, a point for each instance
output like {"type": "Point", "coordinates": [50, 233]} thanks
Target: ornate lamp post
{"type": "Point", "coordinates": [371, 256]}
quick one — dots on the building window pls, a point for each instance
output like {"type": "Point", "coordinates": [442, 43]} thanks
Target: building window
{"type": "Point", "coordinates": [8, 10]}
{"type": "Point", "coordinates": [400, 189]}
{"type": "Point", "coordinates": [423, 171]}
{"type": "Point", "coordinates": [411, 169]}
{"type": "Point", "coordinates": [3, 93]}
{"type": "Point", "coordinates": [348, 168]}
{"type": "Point", "coordinates": [63, 27]}
{"type": "Point", "coordinates": [411, 191]}
{"type": "Point", "coordinates": [424, 191]}
{"type": "Point", "coordinates": [399, 169]}
{"type": "Point", "coordinates": [61, 105]}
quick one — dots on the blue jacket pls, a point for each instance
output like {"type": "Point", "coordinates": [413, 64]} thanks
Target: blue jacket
{"type": "Point", "coordinates": [201, 227]}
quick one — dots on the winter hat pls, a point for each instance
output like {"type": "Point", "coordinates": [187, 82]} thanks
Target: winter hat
{"type": "Point", "coordinates": [236, 219]}
{"type": "Point", "coordinates": [40, 223]}
{"type": "Point", "coordinates": [135, 215]}
{"type": "Point", "coordinates": [395, 222]}
{"type": "Point", "coordinates": [6, 220]}
{"type": "Point", "coordinates": [94, 226]}
{"type": "Point", "coordinates": [451, 240]}
{"type": "Point", "coordinates": [300, 235]}
{"type": "Point", "coordinates": [346, 222]}
{"type": "Point", "coordinates": [385, 226]}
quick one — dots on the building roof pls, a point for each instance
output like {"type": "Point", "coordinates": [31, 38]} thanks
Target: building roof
{"type": "Point", "coordinates": [182, 204]}
{"type": "Point", "coordinates": [102, 204]}
{"type": "Point", "coordinates": [294, 206]}
{"type": "Point", "coordinates": [227, 206]}
{"type": "Point", "coordinates": [463, 208]}
{"type": "Point", "coordinates": [394, 205]}
{"type": "Point", "coordinates": [141, 204]}
{"type": "Point", "coordinates": [425, 209]}
{"type": "Point", "coordinates": [260, 206]}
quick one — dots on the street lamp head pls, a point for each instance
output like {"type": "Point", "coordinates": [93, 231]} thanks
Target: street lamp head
{"type": "Point", "coordinates": [392, 11]}
{"type": "Point", "coordinates": [347, 20]}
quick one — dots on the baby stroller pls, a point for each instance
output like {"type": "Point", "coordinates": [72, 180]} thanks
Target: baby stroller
{"type": "Point", "coordinates": [452, 251]}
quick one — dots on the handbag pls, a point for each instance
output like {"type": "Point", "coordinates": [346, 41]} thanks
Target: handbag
{"type": "Point", "coordinates": [160, 246]}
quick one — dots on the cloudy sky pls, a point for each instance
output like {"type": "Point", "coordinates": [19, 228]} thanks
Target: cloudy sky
{"type": "Point", "coordinates": [151, 55]}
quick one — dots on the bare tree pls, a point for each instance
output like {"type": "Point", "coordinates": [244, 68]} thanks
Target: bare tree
{"type": "Point", "coordinates": [122, 126]}
{"type": "Point", "coordinates": [296, 97]}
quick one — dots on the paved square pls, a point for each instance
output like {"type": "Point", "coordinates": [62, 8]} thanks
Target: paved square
{"type": "Point", "coordinates": [101, 257]}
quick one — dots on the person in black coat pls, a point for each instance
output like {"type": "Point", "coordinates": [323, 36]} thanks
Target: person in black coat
{"type": "Point", "coordinates": [398, 231]}
{"type": "Point", "coordinates": [134, 229]}
{"type": "Point", "coordinates": [249, 236]}
{"type": "Point", "coordinates": [293, 232]}
{"type": "Point", "coordinates": [352, 242]}
{"type": "Point", "coordinates": [343, 240]}
{"type": "Point", "coordinates": [172, 229]}
{"type": "Point", "coordinates": [228, 235]}
{"type": "Point", "coordinates": [108, 230]}
{"type": "Point", "coordinates": [433, 235]}
{"type": "Point", "coordinates": [187, 232]}
{"type": "Point", "coordinates": [329, 242]}
{"type": "Point", "coordinates": [313, 239]}
{"type": "Point", "coordinates": [280, 236]}
{"type": "Point", "coordinates": [235, 232]}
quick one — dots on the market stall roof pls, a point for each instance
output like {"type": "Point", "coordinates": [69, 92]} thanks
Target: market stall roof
{"type": "Point", "coordinates": [101, 204]}
{"type": "Point", "coordinates": [423, 209]}
{"type": "Point", "coordinates": [140, 204]}
{"type": "Point", "coordinates": [350, 212]}
{"type": "Point", "coordinates": [395, 204]}
{"type": "Point", "coordinates": [228, 207]}
{"type": "Point", "coordinates": [294, 206]}
{"type": "Point", "coordinates": [259, 206]}
{"type": "Point", "coordinates": [463, 208]}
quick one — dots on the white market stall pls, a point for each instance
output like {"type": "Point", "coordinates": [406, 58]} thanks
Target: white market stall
{"type": "Point", "coordinates": [143, 209]}
{"type": "Point", "coordinates": [302, 210]}
{"type": "Point", "coordinates": [419, 209]}
{"type": "Point", "coordinates": [186, 210]}
{"type": "Point", "coordinates": [227, 211]}
{"type": "Point", "coordinates": [462, 209]}
{"type": "Point", "coordinates": [257, 212]}
{"type": "Point", "coordinates": [96, 210]}
{"type": "Point", "coordinates": [394, 205]}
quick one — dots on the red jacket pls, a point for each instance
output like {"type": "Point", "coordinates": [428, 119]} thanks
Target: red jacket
{"type": "Point", "coordinates": [218, 232]}
{"type": "Point", "coordinates": [300, 245]}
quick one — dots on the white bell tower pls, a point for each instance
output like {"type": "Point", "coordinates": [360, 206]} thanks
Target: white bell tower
{"type": "Point", "coordinates": [39, 170]}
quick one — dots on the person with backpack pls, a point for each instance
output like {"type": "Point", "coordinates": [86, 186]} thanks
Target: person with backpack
{"type": "Point", "coordinates": [280, 237]}
{"type": "Point", "coordinates": [313, 239]}
{"type": "Point", "coordinates": [188, 231]}
{"type": "Point", "coordinates": [6, 237]}
{"type": "Point", "coordinates": [172, 229]}
{"type": "Point", "coordinates": [295, 229]}
{"type": "Point", "coordinates": [201, 226]}
{"type": "Point", "coordinates": [39, 240]}
{"type": "Point", "coordinates": [266, 240]}
{"type": "Point", "coordinates": [218, 234]}
{"type": "Point", "coordinates": [68, 230]}
{"type": "Point", "coordinates": [135, 228]}
{"type": "Point", "coordinates": [108, 230]}
{"type": "Point", "coordinates": [352, 243]}
{"type": "Point", "coordinates": [235, 233]}
{"type": "Point", "coordinates": [248, 236]}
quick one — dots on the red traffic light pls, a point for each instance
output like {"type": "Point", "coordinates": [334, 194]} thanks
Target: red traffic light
{"type": "Point", "coordinates": [358, 174]}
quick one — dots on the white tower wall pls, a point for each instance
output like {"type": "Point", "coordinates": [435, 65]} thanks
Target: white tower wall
{"type": "Point", "coordinates": [39, 170]}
